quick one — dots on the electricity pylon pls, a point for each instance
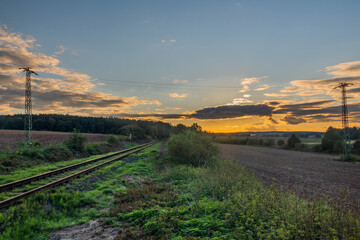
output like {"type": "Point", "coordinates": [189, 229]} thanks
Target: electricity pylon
{"type": "Point", "coordinates": [28, 105]}
{"type": "Point", "coordinates": [345, 117]}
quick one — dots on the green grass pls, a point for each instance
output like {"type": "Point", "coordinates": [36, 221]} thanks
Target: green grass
{"type": "Point", "coordinates": [226, 202]}
{"type": "Point", "coordinates": [312, 143]}
{"type": "Point", "coordinates": [152, 197]}
{"type": "Point", "coordinates": [39, 169]}
{"type": "Point", "coordinates": [84, 199]}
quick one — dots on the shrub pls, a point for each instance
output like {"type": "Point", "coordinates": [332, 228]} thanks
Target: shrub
{"type": "Point", "coordinates": [93, 149]}
{"type": "Point", "coordinates": [317, 147]}
{"type": "Point", "coordinates": [332, 140]}
{"type": "Point", "coordinates": [76, 141]}
{"type": "Point", "coordinates": [293, 140]}
{"type": "Point", "coordinates": [252, 141]}
{"type": "Point", "coordinates": [281, 143]}
{"type": "Point", "coordinates": [56, 153]}
{"type": "Point", "coordinates": [112, 140]}
{"type": "Point", "coordinates": [269, 142]}
{"type": "Point", "coordinates": [338, 147]}
{"type": "Point", "coordinates": [301, 147]}
{"type": "Point", "coordinates": [356, 147]}
{"type": "Point", "coordinates": [191, 147]}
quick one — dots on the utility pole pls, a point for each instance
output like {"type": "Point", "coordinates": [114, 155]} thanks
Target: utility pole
{"type": "Point", "coordinates": [28, 105]}
{"type": "Point", "coordinates": [345, 117]}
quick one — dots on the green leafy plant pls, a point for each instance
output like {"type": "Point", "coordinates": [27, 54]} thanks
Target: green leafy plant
{"type": "Point", "coordinates": [191, 147]}
{"type": "Point", "coordinates": [76, 141]}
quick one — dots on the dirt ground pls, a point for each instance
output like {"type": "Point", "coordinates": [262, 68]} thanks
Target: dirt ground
{"type": "Point", "coordinates": [92, 230]}
{"type": "Point", "coordinates": [11, 138]}
{"type": "Point", "coordinates": [310, 175]}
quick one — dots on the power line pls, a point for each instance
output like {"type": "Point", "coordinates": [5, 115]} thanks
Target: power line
{"type": "Point", "coordinates": [185, 85]}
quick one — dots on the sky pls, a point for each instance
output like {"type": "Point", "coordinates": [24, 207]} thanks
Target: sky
{"type": "Point", "coordinates": [230, 66]}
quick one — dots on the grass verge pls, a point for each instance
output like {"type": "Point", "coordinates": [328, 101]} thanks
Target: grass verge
{"type": "Point", "coordinates": [154, 197]}
{"type": "Point", "coordinates": [84, 199]}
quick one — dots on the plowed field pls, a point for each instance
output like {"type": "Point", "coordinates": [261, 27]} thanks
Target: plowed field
{"type": "Point", "coordinates": [310, 175]}
{"type": "Point", "coordinates": [11, 138]}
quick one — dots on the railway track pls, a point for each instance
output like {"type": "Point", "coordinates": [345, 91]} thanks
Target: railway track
{"type": "Point", "coordinates": [23, 182]}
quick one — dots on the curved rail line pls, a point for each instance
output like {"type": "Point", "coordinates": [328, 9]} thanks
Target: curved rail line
{"type": "Point", "coordinates": [22, 182]}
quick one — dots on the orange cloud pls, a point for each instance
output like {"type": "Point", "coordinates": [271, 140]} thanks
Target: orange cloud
{"type": "Point", "coordinates": [344, 72]}
{"type": "Point", "coordinates": [278, 95]}
{"type": "Point", "coordinates": [67, 91]}
{"type": "Point", "coordinates": [262, 87]}
{"type": "Point", "coordinates": [346, 69]}
{"type": "Point", "coordinates": [177, 95]}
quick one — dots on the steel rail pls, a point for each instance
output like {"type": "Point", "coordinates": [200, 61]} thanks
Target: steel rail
{"type": "Point", "coordinates": [12, 200]}
{"type": "Point", "coordinates": [23, 181]}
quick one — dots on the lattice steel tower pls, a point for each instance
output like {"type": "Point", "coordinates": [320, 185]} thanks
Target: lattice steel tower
{"type": "Point", "coordinates": [28, 105]}
{"type": "Point", "coordinates": [345, 117]}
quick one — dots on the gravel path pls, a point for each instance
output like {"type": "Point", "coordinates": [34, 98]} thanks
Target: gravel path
{"type": "Point", "coordinates": [310, 175]}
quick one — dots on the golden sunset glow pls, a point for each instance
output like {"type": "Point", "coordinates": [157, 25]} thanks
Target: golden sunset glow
{"type": "Point", "coordinates": [228, 75]}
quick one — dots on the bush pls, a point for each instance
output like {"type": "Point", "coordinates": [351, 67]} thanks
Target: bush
{"type": "Point", "coordinates": [293, 140]}
{"type": "Point", "coordinates": [317, 148]}
{"type": "Point", "coordinates": [112, 140]}
{"type": "Point", "coordinates": [76, 141]}
{"type": "Point", "coordinates": [301, 147]}
{"type": "Point", "coordinates": [193, 148]}
{"type": "Point", "coordinates": [269, 142]}
{"type": "Point", "coordinates": [56, 153]}
{"type": "Point", "coordinates": [252, 141]}
{"type": "Point", "coordinates": [281, 143]}
{"type": "Point", "coordinates": [356, 147]}
{"type": "Point", "coordinates": [93, 149]}
{"type": "Point", "coordinates": [332, 140]}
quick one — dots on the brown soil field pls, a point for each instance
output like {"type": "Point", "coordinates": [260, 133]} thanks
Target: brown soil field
{"type": "Point", "coordinates": [309, 175]}
{"type": "Point", "coordinates": [11, 138]}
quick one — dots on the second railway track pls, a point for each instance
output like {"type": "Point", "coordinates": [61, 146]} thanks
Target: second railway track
{"type": "Point", "coordinates": [23, 182]}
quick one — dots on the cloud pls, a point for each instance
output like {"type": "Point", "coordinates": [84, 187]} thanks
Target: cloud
{"type": "Point", "coordinates": [172, 41]}
{"type": "Point", "coordinates": [278, 95]}
{"type": "Point", "coordinates": [163, 41]}
{"type": "Point", "coordinates": [346, 69]}
{"type": "Point", "coordinates": [179, 81]}
{"type": "Point", "coordinates": [293, 120]}
{"type": "Point", "coordinates": [75, 52]}
{"type": "Point", "coordinates": [262, 87]}
{"type": "Point", "coordinates": [290, 113]}
{"type": "Point", "coordinates": [218, 112]}
{"type": "Point", "coordinates": [246, 95]}
{"type": "Point", "coordinates": [307, 110]}
{"type": "Point", "coordinates": [61, 91]}
{"type": "Point", "coordinates": [177, 95]}
{"type": "Point", "coordinates": [245, 82]}
{"type": "Point", "coordinates": [348, 72]}
{"type": "Point", "coordinates": [60, 51]}
{"type": "Point", "coordinates": [233, 111]}
{"type": "Point", "coordinates": [237, 101]}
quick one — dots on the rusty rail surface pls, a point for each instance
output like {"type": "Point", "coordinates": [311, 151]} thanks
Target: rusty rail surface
{"type": "Point", "coordinates": [124, 153]}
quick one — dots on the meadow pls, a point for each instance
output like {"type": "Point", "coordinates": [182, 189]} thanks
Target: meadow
{"type": "Point", "coordinates": [178, 191]}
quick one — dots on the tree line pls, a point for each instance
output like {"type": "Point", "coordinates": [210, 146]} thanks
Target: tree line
{"type": "Point", "coordinates": [104, 125]}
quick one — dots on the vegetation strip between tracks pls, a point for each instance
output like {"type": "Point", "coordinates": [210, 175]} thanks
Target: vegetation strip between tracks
{"type": "Point", "coordinates": [12, 200]}
{"type": "Point", "coordinates": [64, 169]}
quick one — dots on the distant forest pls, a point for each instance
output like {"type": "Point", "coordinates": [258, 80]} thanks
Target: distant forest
{"type": "Point", "coordinates": [108, 125]}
